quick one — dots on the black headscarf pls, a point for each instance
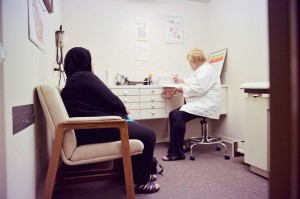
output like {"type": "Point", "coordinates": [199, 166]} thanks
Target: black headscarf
{"type": "Point", "coordinates": [77, 59]}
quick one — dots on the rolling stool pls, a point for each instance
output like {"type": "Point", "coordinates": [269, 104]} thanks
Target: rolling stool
{"type": "Point", "coordinates": [205, 140]}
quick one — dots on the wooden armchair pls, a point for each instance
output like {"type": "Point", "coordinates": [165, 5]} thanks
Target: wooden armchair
{"type": "Point", "coordinates": [66, 152]}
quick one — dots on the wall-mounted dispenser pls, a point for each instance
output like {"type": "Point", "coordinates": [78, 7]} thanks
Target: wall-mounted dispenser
{"type": "Point", "coordinates": [59, 37]}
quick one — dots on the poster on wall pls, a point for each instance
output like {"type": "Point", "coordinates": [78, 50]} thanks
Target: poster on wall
{"type": "Point", "coordinates": [141, 31]}
{"type": "Point", "coordinates": [142, 51]}
{"type": "Point", "coordinates": [173, 30]}
{"type": "Point", "coordinates": [36, 23]}
{"type": "Point", "coordinates": [216, 59]}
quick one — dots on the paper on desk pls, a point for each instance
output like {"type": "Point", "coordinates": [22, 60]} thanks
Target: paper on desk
{"type": "Point", "coordinates": [172, 85]}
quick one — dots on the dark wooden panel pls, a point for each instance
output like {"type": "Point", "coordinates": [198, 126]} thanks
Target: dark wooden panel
{"type": "Point", "coordinates": [23, 116]}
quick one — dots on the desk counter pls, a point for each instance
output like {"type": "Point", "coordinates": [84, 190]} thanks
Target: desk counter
{"type": "Point", "coordinates": [147, 101]}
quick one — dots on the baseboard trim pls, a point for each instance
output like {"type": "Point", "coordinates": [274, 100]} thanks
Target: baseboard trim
{"type": "Point", "coordinates": [225, 138]}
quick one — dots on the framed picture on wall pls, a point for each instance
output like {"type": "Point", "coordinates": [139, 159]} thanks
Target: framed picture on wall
{"type": "Point", "coordinates": [49, 5]}
{"type": "Point", "coordinates": [36, 23]}
{"type": "Point", "coordinates": [173, 30]}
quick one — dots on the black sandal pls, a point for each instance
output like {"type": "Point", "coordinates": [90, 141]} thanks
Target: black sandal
{"type": "Point", "coordinates": [172, 158]}
{"type": "Point", "coordinates": [146, 188]}
{"type": "Point", "coordinates": [152, 178]}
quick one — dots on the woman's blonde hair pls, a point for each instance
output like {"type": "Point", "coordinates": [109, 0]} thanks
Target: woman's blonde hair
{"type": "Point", "coordinates": [196, 55]}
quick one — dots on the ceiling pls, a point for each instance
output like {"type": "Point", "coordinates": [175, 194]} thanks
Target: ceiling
{"type": "Point", "coordinates": [203, 1]}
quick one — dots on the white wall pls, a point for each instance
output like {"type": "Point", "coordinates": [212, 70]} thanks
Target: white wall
{"type": "Point", "coordinates": [25, 66]}
{"type": "Point", "coordinates": [242, 27]}
{"type": "Point", "coordinates": [107, 29]}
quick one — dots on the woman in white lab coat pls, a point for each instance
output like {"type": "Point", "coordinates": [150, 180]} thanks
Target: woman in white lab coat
{"type": "Point", "coordinates": [201, 92]}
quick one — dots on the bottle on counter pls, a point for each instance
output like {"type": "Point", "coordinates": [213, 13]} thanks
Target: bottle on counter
{"type": "Point", "coordinates": [150, 78]}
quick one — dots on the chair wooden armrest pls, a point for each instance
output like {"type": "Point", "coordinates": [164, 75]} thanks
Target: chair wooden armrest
{"type": "Point", "coordinates": [88, 123]}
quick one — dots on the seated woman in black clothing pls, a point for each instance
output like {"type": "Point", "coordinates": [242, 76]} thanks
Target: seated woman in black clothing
{"type": "Point", "coordinates": [86, 95]}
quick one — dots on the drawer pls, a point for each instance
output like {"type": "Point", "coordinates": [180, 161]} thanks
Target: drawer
{"type": "Point", "coordinates": [134, 114]}
{"type": "Point", "coordinates": [151, 91]}
{"type": "Point", "coordinates": [125, 91]}
{"type": "Point", "coordinates": [152, 113]}
{"type": "Point", "coordinates": [126, 99]}
{"type": "Point", "coordinates": [151, 98]}
{"type": "Point", "coordinates": [132, 106]}
{"type": "Point", "coordinates": [152, 105]}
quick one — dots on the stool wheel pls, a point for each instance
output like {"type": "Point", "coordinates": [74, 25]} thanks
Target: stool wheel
{"type": "Point", "coordinates": [186, 147]}
{"type": "Point", "coordinates": [192, 157]}
{"type": "Point", "coordinates": [227, 157]}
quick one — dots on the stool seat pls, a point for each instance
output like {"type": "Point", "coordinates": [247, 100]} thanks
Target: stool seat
{"type": "Point", "coordinates": [205, 140]}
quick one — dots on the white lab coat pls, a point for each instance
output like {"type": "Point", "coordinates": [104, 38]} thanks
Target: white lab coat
{"type": "Point", "coordinates": [202, 92]}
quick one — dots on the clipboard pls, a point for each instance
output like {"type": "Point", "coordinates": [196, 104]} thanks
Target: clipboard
{"type": "Point", "coordinates": [216, 60]}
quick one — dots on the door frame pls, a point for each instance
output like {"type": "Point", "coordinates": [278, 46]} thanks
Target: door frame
{"type": "Point", "coordinates": [3, 180]}
{"type": "Point", "coordinates": [284, 98]}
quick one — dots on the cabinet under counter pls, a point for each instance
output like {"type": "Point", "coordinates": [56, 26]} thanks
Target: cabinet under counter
{"type": "Point", "coordinates": [146, 104]}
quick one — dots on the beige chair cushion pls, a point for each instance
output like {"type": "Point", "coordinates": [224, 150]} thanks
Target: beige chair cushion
{"type": "Point", "coordinates": [91, 153]}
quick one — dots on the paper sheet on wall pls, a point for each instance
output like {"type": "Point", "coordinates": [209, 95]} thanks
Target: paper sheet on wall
{"type": "Point", "coordinates": [142, 51]}
{"type": "Point", "coordinates": [173, 29]}
{"type": "Point", "coordinates": [216, 59]}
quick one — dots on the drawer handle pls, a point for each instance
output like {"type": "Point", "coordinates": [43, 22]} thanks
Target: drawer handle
{"type": "Point", "coordinates": [152, 99]}
{"type": "Point", "coordinates": [152, 112]}
{"type": "Point", "coordinates": [256, 95]}
{"type": "Point", "coordinates": [125, 99]}
{"type": "Point", "coordinates": [125, 92]}
{"type": "Point", "coordinates": [152, 105]}
{"type": "Point", "coordinates": [152, 91]}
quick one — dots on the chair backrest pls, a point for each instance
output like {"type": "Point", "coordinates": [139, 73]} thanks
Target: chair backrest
{"type": "Point", "coordinates": [56, 113]}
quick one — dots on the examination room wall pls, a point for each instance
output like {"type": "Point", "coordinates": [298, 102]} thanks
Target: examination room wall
{"type": "Point", "coordinates": [242, 27]}
{"type": "Point", "coordinates": [25, 66]}
{"type": "Point", "coordinates": [107, 28]}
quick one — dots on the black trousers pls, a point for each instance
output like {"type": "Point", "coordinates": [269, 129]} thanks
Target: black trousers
{"type": "Point", "coordinates": [140, 163]}
{"type": "Point", "coordinates": [178, 120]}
